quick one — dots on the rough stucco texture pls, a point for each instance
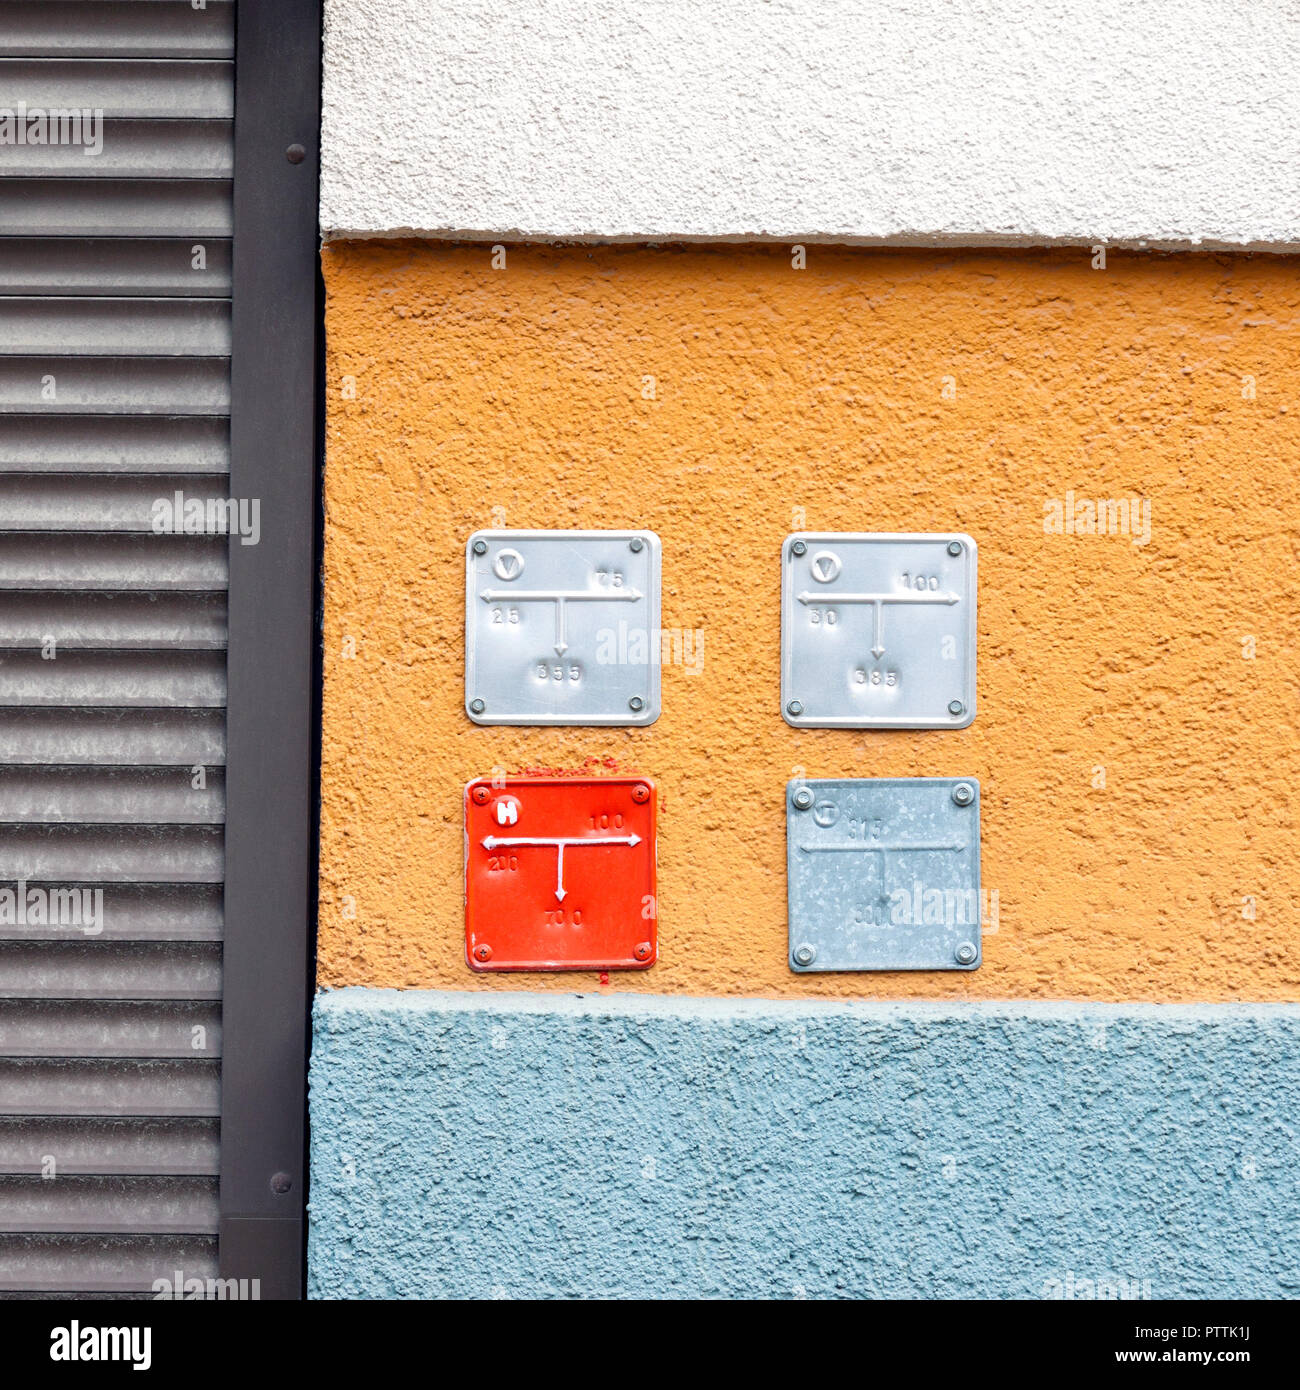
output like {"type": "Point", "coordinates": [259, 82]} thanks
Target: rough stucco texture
{"type": "Point", "coordinates": [524, 1147]}
{"type": "Point", "coordinates": [1015, 119]}
{"type": "Point", "coordinates": [462, 396]}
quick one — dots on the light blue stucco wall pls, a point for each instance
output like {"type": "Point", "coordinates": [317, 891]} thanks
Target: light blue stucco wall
{"type": "Point", "coordinates": [490, 1145]}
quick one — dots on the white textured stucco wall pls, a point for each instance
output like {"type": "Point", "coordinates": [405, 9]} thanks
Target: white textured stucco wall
{"type": "Point", "coordinates": [1171, 122]}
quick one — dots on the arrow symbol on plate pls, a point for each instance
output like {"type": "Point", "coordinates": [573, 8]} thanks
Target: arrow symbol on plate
{"type": "Point", "coordinates": [560, 843]}
{"type": "Point", "coordinates": [874, 849]}
{"type": "Point", "coordinates": [561, 646]}
{"type": "Point", "coordinates": [833, 600]}
{"type": "Point", "coordinates": [568, 595]}
{"type": "Point", "coordinates": [877, 602]}
{"type": "Point", "coordinates": [559, 597]}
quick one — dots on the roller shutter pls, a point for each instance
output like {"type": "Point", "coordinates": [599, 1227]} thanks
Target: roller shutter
{"type": "Point", "coordinates": [115, 402]}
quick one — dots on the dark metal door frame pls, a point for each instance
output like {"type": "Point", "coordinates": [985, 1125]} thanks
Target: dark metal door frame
{"type": "Point", "coordinates": [273, 673]}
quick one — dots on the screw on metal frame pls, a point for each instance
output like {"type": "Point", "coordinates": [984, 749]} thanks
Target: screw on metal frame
{"type": "Point", "coordinates": [954, 547]}
{"type": "Point", "coordinates": [636, 544]}
{"type": "Point", "coordinates": [956, 707]}
{"type": "Point", "coordinates": [804, 955]}
{"type": "Point", "coordinates": [798, 548]}
{"type": "Point", "coordinates": [480, 547]}
{"type": "Point", "coordinates": [477, 706]}
{"type": "Point", "coordinates": [966, 953]}
{"type": "Point", "coordinates": [795, 707]}
{"type": "Point", "coordinates": [803, 798]}
{"type": "Point", "coordinates": [963, 793]}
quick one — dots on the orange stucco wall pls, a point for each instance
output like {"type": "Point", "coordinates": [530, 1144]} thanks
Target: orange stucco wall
{"type": "Point", "coordinates": [870, 391]}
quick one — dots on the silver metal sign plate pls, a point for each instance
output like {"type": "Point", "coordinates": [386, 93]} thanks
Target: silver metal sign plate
{"type": "Point", "coordinates": [562, 627]}
{"type": "Point", "coordinates": [884, 873]}
{"type": "Point", "coordinates": [878, 631]}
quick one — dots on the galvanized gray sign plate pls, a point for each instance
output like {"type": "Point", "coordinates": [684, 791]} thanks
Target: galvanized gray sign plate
{"type": "Point", "coordinates": [878, 631]}
{"type": "Point", "coordinates": [562, 627]}
{"type": "Point", "coordinates": [884, 873]}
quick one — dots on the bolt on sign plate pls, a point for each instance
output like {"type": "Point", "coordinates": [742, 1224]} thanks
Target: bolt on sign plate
{"type": "Point", "coordinates": [560, 873]}
{"type": "Point", "coordinates": [884, 873]}
{"type": "Point", "coordinates": [562, 627]}
{"type": "Point", "coordinates": [878, 631]}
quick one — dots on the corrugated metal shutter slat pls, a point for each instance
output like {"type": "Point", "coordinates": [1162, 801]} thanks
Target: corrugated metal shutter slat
{"type": "Point", "coordinates": [120, 28]}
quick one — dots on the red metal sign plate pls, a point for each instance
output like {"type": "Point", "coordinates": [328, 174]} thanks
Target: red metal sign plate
{"type": "Point", "coordinates": [560, 873]}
